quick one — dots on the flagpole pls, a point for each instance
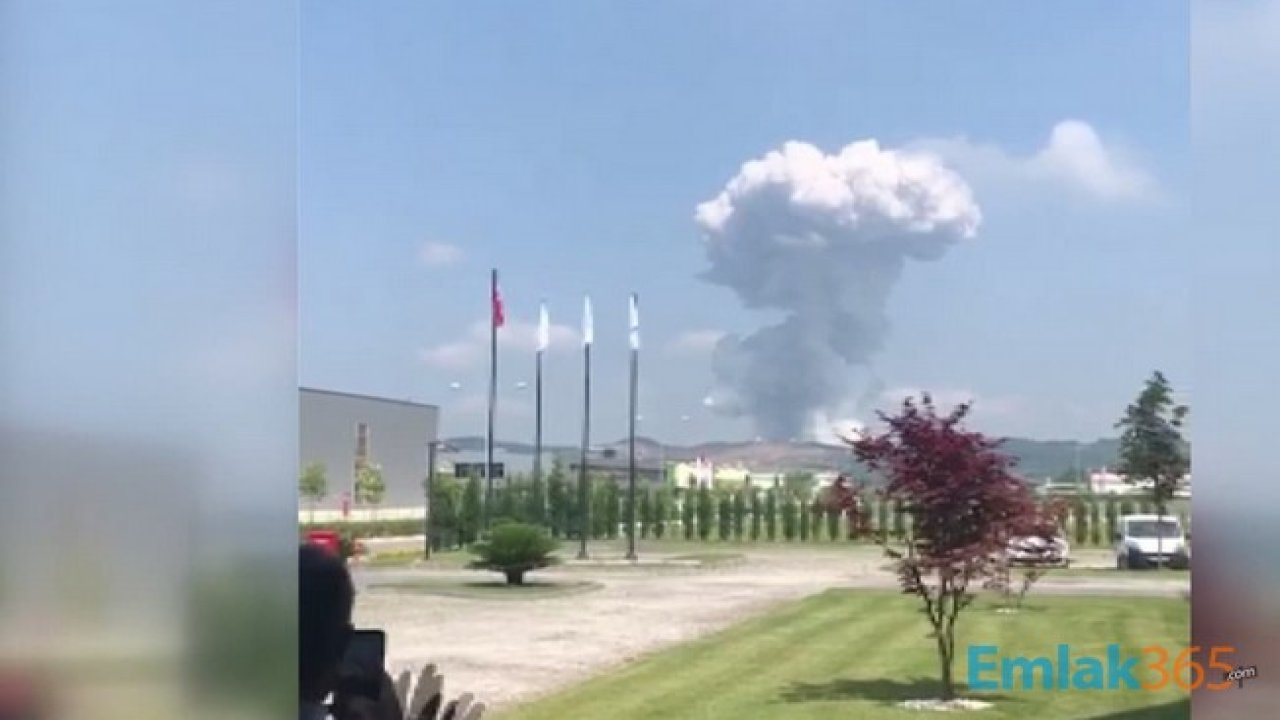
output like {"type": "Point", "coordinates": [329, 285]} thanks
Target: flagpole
{"type": "Point", "coordinates": [494, 319]}
{"type": "Point", "coordinates": [584, 493]}
{"type": "Point", "coordinates": [543, 332]}
{"type": "Point", "coordinates": [631, 439]}
{"type": "Point", "coordinates": [537, 418]}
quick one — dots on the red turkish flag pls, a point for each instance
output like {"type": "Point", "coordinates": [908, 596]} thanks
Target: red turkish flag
{"type": "Point", "coordinates": [499, 317]}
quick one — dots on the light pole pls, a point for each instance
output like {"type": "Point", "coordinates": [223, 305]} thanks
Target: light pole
{"type": "Point", "coordinates": [432, 448]}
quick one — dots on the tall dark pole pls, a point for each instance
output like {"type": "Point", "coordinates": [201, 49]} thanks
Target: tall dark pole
{"type": "Point", "coordinates": [432, 446]}
{"type": "Point", "coordinates": [495, 321]}
{"type": "Point", "coordinates": [537, 419]}
{"type": "Point", "coordinates": [631, 436]}
{"type": "Point", "coordinates": [543, 331]}
{"type": "Point", "coordinates": [584, 489]}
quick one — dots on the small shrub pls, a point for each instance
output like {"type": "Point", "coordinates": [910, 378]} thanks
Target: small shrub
{"type": "Point", "coordinates": [757, 509]}
{"type": "Point", "coordinates": [815, 523]}
{"type": "Point", "coordinates": [771, 515]}
{"type": "Point", "coordinates": [724, 516]}
{"type": "Point", "coordinates": [687, 510]}
{"type": "Point", "coordinates": [660, 514]}
{"type": "Point", "coordinates": [646, 514]}
{"type": "Point", "coordinates": [1113, 520]}
{"type": "Point", "coordinates": [789, 520]}
{"type": "Point", "coordinates": [612, 512]}
{"type": "Point", "coordinates": [739, 514]}
{"type": "Point", "coordinates": [514, 549]}
{"type": "Point", "coordinates": [1080, 515]}
{"type": "Point", "coordinates": [706, 513]}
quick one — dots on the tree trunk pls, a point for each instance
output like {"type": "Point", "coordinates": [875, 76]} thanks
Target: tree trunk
{"type": "Point", "coordinates": [1160, 535]}
{"type": "Point", "coordinates": [946, 633]}
{"type": "Point", "coordinates": [944, 656]}
{"type": "Point", "coordinates": [515, 577]}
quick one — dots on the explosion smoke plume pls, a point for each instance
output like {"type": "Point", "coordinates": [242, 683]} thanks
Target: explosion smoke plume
{"type": "Point", "coordinates": [823, 239]}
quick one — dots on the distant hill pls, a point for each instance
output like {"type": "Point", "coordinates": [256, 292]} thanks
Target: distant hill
{"type": "Point", "coordinates": [1037, 459]}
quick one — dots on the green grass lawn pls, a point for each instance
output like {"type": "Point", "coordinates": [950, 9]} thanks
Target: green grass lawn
{"type": "Point", "coordinates": [440, 560]}
{"type": "Point", "coordinates": [851, 654]}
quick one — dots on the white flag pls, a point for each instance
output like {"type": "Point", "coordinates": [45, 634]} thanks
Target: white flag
{"type": "Point", "coordinates": [635, 323]}
{"type": "Point", "coordinates": [544, 328]}
{"type": "Point", "coordinates": [588, 325]}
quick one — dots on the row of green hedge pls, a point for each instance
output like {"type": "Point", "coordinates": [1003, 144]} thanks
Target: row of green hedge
{"type": "Point", "coordinates": [707, 516]}
{"type": "Point", "coordinates": [371, 528]}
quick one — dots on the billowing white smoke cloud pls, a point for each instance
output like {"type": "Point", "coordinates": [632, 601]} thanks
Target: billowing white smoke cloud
{"type": "Point", "coordinates": [822, 238]}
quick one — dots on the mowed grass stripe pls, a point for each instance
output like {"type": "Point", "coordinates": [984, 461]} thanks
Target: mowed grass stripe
{"type": "Point", "coordinates": [710, 664]}
{"type": "Point", "coordinates": [870, 647]}
{"type": "Point", "coordinates": [708, 677]}
{"type": "Point", "coordinates": [858, 653]}
{"type": "Point", "coordinates": [852, 633]}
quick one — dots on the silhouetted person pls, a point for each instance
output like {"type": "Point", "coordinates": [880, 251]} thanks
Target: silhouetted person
{"type": "Point", "coordinates": [326, 597]}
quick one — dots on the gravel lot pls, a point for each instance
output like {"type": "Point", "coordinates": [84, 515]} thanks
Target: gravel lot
{"type": "Point", "coordinates": [509, 651]}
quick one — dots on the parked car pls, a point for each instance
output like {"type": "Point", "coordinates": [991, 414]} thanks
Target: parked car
{"type": "Point", "coordinates": [1146, 541]}
{"type": "Point", "coordinates": [1033, 550]}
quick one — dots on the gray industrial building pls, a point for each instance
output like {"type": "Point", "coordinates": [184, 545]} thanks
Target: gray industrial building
{"type": "Point", "coordinates": [396, 435]}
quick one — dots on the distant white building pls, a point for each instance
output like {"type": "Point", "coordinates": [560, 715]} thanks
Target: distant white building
{"type": "Point", "coordinates": [1106, 482]}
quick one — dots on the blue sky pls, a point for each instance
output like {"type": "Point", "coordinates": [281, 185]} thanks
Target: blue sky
{"type": "Point", "coordinates": [568, 145]}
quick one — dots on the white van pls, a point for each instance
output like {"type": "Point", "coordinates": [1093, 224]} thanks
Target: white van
{"type": "Point", "coordinates": [1144, 541]}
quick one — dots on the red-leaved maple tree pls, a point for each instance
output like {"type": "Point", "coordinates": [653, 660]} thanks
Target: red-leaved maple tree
{"type": "Point", "coordinates": [963, 506]}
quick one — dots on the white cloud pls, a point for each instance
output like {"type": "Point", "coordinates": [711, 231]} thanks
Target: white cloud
{"type": "Point", "coordinates": [815, 195]}
{"type": "Point", "coordinates": [694, 342]}
{"type": "Point", "coordinates": [515, 335]}
{"type": "Point", "coordinates": [438, 254]}
{"type": "Point", "coordinates": [1075, 154]}
{"type": "Point", "coordinates": [1074, 157]}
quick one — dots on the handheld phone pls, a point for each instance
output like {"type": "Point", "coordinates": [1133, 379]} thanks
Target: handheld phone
{"type": "Point", "coordinates": [364, 664]}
